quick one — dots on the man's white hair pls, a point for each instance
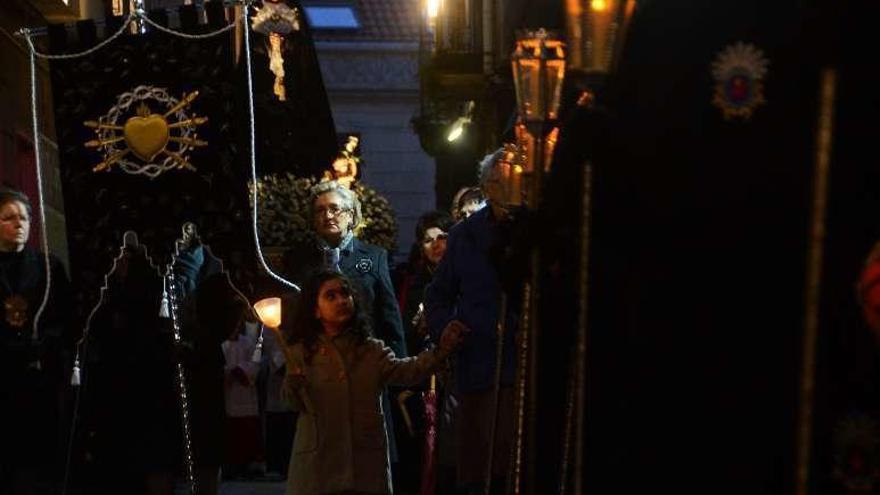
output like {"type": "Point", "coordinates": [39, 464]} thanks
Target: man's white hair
{"type": "Point", "coordinates": [487, 163]}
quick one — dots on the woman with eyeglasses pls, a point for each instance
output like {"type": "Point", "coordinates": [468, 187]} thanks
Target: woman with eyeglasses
{"type": "Point", "coordinates": [336, 211]}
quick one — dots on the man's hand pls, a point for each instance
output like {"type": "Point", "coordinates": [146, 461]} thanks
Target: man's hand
{"type": "Point", "coordinates": [452, 336]}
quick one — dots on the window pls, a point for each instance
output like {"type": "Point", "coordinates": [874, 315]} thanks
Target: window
{"type": "Point", "coordinates": [332, 17]}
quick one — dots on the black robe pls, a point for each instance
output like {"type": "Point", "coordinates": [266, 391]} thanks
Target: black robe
{"type": "Point", "coordinates": [31, 395]}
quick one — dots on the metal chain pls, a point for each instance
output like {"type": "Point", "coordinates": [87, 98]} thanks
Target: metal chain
{"type": "Point", "coordinates": [44, 241]}
{"type": "Point", "coordinates": [137, 14]}
{"type": "Point", "coordinates": [180, 378]}
{"type": "Point", "coordinates": [185, 35]}
{"type": "Point", "coordinates": [27, 33]}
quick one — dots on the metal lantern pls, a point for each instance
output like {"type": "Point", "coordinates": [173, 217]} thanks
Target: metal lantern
{"type": "Point", "coordinates": [595, 30]}
{"type": "Point", "coordinates": [538, 70]}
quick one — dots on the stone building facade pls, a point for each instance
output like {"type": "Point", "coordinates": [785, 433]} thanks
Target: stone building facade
{"type": "Point", "coordinates": [17, 160]}
{"type": "Point", "coordinates": [371, 73]}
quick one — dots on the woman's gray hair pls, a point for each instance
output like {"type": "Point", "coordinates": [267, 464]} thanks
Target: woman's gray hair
{"type": "Point", "coordinates": [348, 196]}
{"type": "Point", "coordinates": [487, 163]}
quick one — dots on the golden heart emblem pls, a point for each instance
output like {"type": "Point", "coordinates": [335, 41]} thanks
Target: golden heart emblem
{"type": "Point", "coordinates": [147, 136]}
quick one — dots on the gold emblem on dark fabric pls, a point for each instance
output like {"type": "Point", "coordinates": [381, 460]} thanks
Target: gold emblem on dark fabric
{"type": "Point", "coordinates": [16, 308]}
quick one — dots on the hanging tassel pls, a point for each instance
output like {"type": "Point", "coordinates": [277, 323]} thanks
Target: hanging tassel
{"type": "Point", "coordinates": [164, 312]}
{"type": "Point", "coordinates": [74, 377]}
{"type": "Point", "coordinates": [258, 351]}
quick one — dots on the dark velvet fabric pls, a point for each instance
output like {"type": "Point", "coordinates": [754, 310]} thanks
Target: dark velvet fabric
{"type": "Point", "coordinates": [32, 397]}
{"type": "Point", "coordinates": [130, 419]}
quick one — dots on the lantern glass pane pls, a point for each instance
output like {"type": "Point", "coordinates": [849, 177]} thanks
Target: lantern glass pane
{"type": "Point", "coordinates": [528, 85]}
{"type": "Point", "coordinates": [595, 30]}
{"type": "Point", "coordinates": [555, 75]}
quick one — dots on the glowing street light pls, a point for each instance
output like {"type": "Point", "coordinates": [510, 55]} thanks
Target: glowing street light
{"type": "Point", "coordinates": [457, 129]}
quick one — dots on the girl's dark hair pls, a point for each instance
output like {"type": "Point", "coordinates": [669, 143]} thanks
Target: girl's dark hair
{"type": "Point", "coordinates": [8, 194]}
{"type": "Point", "coordinates": [306, 328]}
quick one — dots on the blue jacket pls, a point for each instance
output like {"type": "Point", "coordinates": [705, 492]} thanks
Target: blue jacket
{"type": "Point", "coordinates": [466, 288]}
{"type": "Point", "coordinates": [367, 266]}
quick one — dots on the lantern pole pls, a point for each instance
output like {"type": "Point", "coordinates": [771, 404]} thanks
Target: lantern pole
{"type": "Point", "coordinates": [596, 30]}
{"type": "Point", "coordinates": [538, 65]}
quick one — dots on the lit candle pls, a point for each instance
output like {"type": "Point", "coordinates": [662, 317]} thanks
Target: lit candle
{"type": "Point", "coordinates": [269, 311]}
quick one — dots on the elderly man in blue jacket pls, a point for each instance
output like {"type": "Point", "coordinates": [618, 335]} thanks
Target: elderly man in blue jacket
{"type": "Point", "coordinates": [466, 290]}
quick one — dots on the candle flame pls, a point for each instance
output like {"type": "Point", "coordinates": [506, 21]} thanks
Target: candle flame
{"type": "Point", "coordinates": [269, 311]}
{"type": "Point", "coordinates": [433, 8]}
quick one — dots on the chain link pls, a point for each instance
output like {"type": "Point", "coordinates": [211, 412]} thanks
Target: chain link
{"type": "Point", "coordinates": [180, 34]}
{"type": "Point", "coordinates": [28, 34]}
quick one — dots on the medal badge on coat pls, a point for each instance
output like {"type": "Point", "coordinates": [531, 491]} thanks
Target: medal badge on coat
{"type": "Point", "coordinates": [739, 72]}
{"type": "Point", "coordinates": [364, 265]}
{"type": "Point", "coordinates": [16, 308]}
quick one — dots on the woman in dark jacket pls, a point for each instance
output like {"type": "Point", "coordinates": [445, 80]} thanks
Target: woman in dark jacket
{"type": "Point", "coordinates": [411, 280]}
{"type": "Point", "coordinates": [31, 362]}
{"type": "Point", "coordinates": [432, 230]}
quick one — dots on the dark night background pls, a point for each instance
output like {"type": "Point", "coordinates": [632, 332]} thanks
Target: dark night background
{"type": "Point", "coordinates": [700, 233]}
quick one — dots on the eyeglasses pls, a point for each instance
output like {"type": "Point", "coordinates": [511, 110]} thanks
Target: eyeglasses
{"type": "Point", "coordinates": [440, 237]}
{"type": "Point", "coordinates": [333, 210]}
